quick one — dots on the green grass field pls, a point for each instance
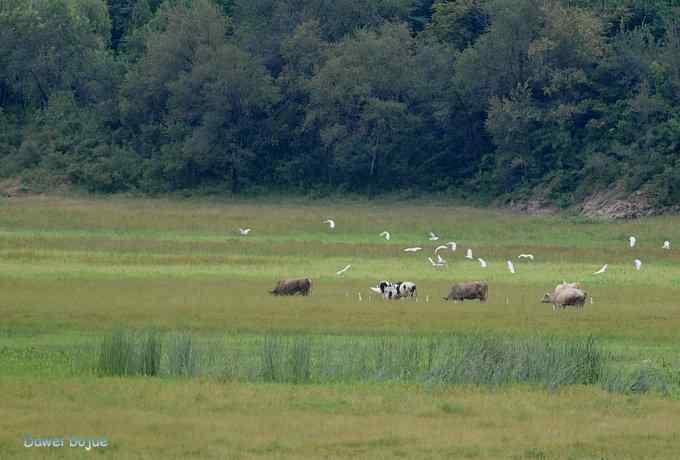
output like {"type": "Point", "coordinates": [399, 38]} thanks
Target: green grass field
{"type": "Point", "coordinates": [349, 377]}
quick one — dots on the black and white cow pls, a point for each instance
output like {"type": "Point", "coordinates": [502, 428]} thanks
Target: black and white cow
{"type": "Point", "coordinates": [406, 288]}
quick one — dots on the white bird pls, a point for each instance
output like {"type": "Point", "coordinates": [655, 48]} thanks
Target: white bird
{"type": "Point", "coordinates": [415, 249]}
{"type": "Point", "coordinates": [666, 245]}
{"type": "Point", "coordinates": [340, 272]}
{"type": "Point", "coordinates": [526, 256]}
{"type": "Point", "coordinates": [435, 264]}
{"type": "Point", "coordinates": [244, 231]}
{"type": "Point", "coordinates": [453, 245]}
{"type": "Point", "coordinates": [440, 260]}
{"type": "Point", "coordinates": [637, 263]}
{"type": "Point", "coordinates": [375, 289]}
{"type": "Point", "coordinates": [331, 223]}
{"type": "Point", "coordinates": [601, 270]}
{"type": "Point", "coordinates": [631, 241]}
{"type": "Point", "coordinates": [439, 248]}
{"type": "Point", "coordinates": [511, 267]}
{"type": "Point", "coordinates": [433, 236]}
{"type": "Point", "coordinates": [468, 254]}
{"type": "Point", "coordinates": [386, 235]}
{"type": "Point", "coordinates": [482, 262]}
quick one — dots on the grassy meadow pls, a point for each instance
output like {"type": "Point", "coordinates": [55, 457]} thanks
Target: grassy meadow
{"type": "Point", "coordinates": [149, 321]}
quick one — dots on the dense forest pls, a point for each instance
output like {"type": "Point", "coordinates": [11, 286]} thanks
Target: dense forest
{"type": "Point", "coordinates": [488, 99]}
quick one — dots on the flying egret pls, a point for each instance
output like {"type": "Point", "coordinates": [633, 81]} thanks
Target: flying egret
{"type": "Point", "coordinates": [482, 262]}
{"type": "Point", "coordinates": [511, 267]}
{"type": "Point", "coordinates": [468, 254]}
{"type": "Point", "coordinates": [631, 241]}
{"type": "Point", "coordinates": [341, 272]}
{"type": "Point", "coordinates": [439, 248]}
{"type": "Point", "coordinates": [386, 235]}
{"type": "Point", "coordinates": [414, 249]}
{"type": "Point", "coordinates": [666, 245]}
{"type": "Point", "coordinates": [601, 270]}
{"type": "Point", "coordinates": [244, 231]}
{"type": "Point", "coordinates": [526, 256]}
{"type": "Point", "coordinates": [435, 264]}
{"type": "Point", "coordinates": [433, 236]}
{"type": "Point", "coordinates": [453, 245]}
{"type": "Point", "coordinates": [637, 263]}
{"type": "Point", "coordinates": [331, 223]}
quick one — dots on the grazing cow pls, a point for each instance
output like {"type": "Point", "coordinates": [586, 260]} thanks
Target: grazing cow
{"type": "Point", "coordinates": [384, 285]}
{"type": "Point", "coordinates": [561, 298]}
{"type": "Point", "coordinates": [406, 289]}
{"type": "Point", "coordinates": [474, 290]}
{"type": "Point", "coordinates": [293, 286]}
{"type": "Point", "coordinates": [391, 293]}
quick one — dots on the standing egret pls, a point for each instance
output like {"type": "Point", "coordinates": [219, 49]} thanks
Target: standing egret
{"type": "Point", "coordinates": [511, 267]}
{"type": "Point", "coordinates": [631, 241]}
{"type": "Point", "coordinates": [331, 223]}
{"type": "Point", "coordinates": [244, 231]}
{"type": "Point", "coordinates": [526, 256]}
{"type": "Point", "coordinates": [386, 235]}
{"type": "Point", "coordinates": [341, 272]}
{"type": "Point", "coordinates": [601, 270]}
{"type": "Point", "coordinates": [414, 249]}
{"type": "Point", "coordinates": [637, 263]}
{"type": "Point", "coordinates": [482, 262]}
{"type": "Point", "coordinates": [666, 245]}
{"type": "Point", "coordinates": [435, 264]}
{"type": "Point", "coordinates": [468, 254]}
{"type": "Point", "coordinates": [453, 245]}
{"type": "Point", "coordinates": [433, 236]}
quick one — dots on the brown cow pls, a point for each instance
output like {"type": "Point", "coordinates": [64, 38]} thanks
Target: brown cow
{"type": "Point", "coordinates": [474, 290]}
{"type": "Point", "coordinates": [294, 286]}
{"type": "Point", "coordinates": [566, 296]}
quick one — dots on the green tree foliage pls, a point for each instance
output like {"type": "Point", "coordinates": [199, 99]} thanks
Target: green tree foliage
{"type": "Point", "coordinates": [474, 98]}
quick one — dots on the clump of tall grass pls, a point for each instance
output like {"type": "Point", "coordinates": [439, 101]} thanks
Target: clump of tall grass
{"type": "Point", "coordinates": [493, 360]}
{"type": "Point", "coordinates": [125, 353]}
{"type": "Point", "coordinates": [641, 380]}
{"type": "Point", "coordinates": [476, 359]}
{"type": "Point", "coordinates": [286, 359]}
{"type": "Point", "coordinates": [183, 355]}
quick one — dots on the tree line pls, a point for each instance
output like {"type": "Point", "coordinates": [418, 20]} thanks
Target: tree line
{"type": "Point", "coordinates": [468, 98]}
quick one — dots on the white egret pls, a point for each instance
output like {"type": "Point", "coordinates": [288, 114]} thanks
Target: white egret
{"type": "Point", "coordinates": [244, 231]}
{"type": "Point", "coordinates": [511, 267]}
{"type": "Point", "coordinates": [341, 272]}
{"type": "Point", "coordinates": [526, 256]}
{"type": "Point", "coordinates": [439, 248]}
{"type": "Point", "coordinates": [637, 263]}
{"type": "Point", "coordinates": [386, 235]}
{"type": "Point", "coordinates": [482, 262]}
{"type": "Point", "coordinates": [331, 223]}
{"type": "Point", "coordinates": [666, 245]}
{"type": "Point", "coordinates": [414, 249]}
{"type": "Point", "coordinates": [453, 245]}
{"type": "Point", "coordinates": [468, 254]}
{"type": "Point", "coordinates": [601, 270]}
{"type": "Point", "coordinates": [433, 236]}
{"type": "Point", "coordinates": [435, 264]}
{"type": "Point", "coordinates": [631, 241]}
